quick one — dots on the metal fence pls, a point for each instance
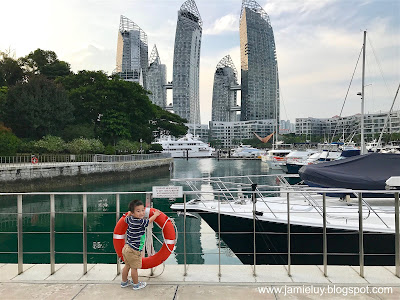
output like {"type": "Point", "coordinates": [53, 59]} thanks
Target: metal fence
{"type": "Point", "coordinates": [18, 215]}
{"type": "Point", "coordinates": [47, 159]}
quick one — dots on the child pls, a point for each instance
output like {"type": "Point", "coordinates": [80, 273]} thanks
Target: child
{"type": "Point", "coordinates": [134, 244]}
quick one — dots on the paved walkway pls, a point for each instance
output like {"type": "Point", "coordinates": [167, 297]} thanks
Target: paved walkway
{"type": "Point", "coordinates": [201, 282]}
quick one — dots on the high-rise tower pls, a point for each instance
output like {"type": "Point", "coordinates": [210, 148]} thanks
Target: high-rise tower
{"type": "Point", "coordinates": [186, 64]}
{"type": "Point", "coordinates": [132, 52]}
{"type": "Point", "coordinates": [224, 98]}
{"type": "Point", "coordinates": [156, 79]}
{"type": "Point", "coordinates": [259, 72]}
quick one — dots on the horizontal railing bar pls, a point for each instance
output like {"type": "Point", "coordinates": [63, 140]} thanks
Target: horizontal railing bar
{"type": "Point", "coordinates": [290, 191]}
{"type": "Point", "coordinates": [215, 253]}
{"type": "Point", "coordinates": [196, 232]}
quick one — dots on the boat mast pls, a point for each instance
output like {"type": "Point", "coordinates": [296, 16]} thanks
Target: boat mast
{"type": "Point", "coordinates": [362, 150]}
{"type": "Point", "coordinates": [276, 107]}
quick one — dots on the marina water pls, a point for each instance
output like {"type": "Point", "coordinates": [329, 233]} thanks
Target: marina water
{"type": "Point", "coordinates": [201, 240]}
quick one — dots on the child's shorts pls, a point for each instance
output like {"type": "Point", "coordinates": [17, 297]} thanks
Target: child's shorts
{"type": "Point", "coordinates": [132, 258]}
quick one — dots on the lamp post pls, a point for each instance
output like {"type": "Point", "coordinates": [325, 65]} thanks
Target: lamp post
{"type": "Point", "coordinates": [141, 146]}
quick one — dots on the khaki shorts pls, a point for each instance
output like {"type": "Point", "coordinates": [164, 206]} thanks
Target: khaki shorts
{"type": "Point", "coordinates": [132, 258]}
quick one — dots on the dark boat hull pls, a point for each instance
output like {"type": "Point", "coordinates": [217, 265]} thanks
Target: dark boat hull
{"type": "Point", "coordinates": [293, 168]}
{"type": "Point", "coordinates": [306, 243]}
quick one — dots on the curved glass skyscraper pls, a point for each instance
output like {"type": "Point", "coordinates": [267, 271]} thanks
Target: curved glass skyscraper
{"type": "Point", "coordinates": [132, 52]}
{"type": "Point", "coordinates": [259, 72]}
{"type": "Point", "coordinates": [224, 98]}
{"type": "Point", "coordinates": [186, 64]}
{"type": "Point", "coordinates": [156, 79]}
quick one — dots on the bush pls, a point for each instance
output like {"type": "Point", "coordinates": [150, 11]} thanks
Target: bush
{"type": "Point", "coordinates": [109, 150]}
{"type": "Point", "coordinates": [9, 143]}
{"type": "Point", "coordinates": [126, 147]}
{"type": "Point", "coordinates": [156, 147]}
{"type": "Point", "coordinates": [82, 145]}
{"type": "Point", "coordinates": [50, 144]}
{"type": "Point", "coordinates": [80, 130]}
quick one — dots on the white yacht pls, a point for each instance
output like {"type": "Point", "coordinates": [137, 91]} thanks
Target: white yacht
{"type": "Point", "coordinates": [296, 157]}
{"type": "Point", "coordinates": [187, 146]}
{"type": "Point", "coordinates": [246, 151]}
{"type": "Point", "coordinates": [234, 211]}
{"type": "Point", "coordinates": [275, 158]}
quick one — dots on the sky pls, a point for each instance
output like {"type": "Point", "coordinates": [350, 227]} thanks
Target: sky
{"type": "Point", "coordinates": [318, 43]}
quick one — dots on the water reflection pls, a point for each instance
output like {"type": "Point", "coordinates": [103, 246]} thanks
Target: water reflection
{"type": "Point", "coordinates": [201, 240]}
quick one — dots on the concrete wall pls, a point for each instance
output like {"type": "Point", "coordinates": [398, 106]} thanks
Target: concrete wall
{"type": "Point", "coordinates": [25, 172]}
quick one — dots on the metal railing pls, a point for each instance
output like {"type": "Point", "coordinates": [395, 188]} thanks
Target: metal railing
{"type": "Point", "coordinates": [54, 159]}
{"type": "Point", "coordinates": [53, 213]}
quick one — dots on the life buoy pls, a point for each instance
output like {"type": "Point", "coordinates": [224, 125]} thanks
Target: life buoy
{"type": "Point", "coordinates": [168, 245]}
{"type": "Point", "coordinates": [34, 160]}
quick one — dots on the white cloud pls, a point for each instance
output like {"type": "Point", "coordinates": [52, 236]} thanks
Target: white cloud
{"type": "Point", "coordinates": [277, 7]}
{"type": "Point", "coordinates": [226, 23]}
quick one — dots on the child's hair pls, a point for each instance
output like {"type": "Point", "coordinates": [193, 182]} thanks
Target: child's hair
{"type": "Point", "coordinates": [133, 204]}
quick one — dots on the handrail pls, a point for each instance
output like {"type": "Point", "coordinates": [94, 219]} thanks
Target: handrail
{"type": "Point", "coordinates": [37, 160]}
{"type": "Point", "coordinates": [83, 196]}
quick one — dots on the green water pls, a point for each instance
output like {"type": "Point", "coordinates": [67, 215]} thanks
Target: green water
{"type": "Point", "coordinates": [201, 240]}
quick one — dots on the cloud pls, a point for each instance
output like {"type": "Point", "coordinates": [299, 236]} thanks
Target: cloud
{"type": "Point", "coordinates": [278, 7]}
{"type": "Point", "coordinates": [224, 24]}
{"type": "Point", "coordinates": [92, 58]}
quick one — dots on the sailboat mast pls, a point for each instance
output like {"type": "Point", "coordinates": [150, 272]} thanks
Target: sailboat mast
{"type": "Point", "coordinates": [363, 97]}
{"type": "Point", "coordinates": [276, 106]}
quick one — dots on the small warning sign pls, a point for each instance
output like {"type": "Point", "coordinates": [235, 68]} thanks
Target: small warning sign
{"type": "Point", "coordinates": [170, 191]}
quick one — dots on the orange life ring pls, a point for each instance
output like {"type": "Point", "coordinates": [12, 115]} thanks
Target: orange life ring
{"type": "Point", "coordinates": [34, 160]}
{"type": "Point", "coordinates": [167, 247]}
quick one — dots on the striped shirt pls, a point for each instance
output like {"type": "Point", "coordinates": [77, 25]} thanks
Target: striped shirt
{"type": "Point", "coordinates": [136, 232]}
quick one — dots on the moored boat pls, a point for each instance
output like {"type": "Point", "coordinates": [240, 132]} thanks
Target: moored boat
{"type": "Point", "coordinates": [187, 146]}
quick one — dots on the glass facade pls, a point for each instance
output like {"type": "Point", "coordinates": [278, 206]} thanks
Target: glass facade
{"type": "Point", "coordinates": [224, 97]}
{"type": "Point", "coordinates": [186, 65]}
{"type": "Point", "coordinates": [156, 79]}
{"type": "Point", "coordinates": [259, 71]}
{"type": "Point", "coordinates": [132, 52]}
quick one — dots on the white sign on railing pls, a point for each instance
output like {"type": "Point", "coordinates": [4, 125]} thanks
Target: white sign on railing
{"type": "Point", "coordinates": [170, 191]}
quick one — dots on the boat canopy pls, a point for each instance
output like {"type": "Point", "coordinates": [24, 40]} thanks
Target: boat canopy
{"type": "Point", "coordinates": [364, 172]}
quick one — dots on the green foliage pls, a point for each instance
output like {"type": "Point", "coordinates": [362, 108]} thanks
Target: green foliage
{"type": "Point", "coordinates": [45, 63]}
{"type": "Point", "coordinates": [167, 122]}
{"type": "Point", "coordinates": [37, 108]}
{"type": "Point", "coordinates": [109, 150]}
{"type": "Point", "coordinates": [50, 144]}
{"type": "Point", "coordinates": [156, 147]}
{"type": "Point", "coordinates": [3, 98]}
{"type": "Point", "coordinates": [256, 143]}
{"type": "Point", "coordinates": [10, 70]}
{"type": "Point", "coordinates": [127, 147]}
{"type": "Point", "coordinates": [119, 109]}
{"type": "Point", "coordinates": [114, 125]}
{"type": "Point", "coordinates": [82, 145]}
{"type": "Point", "coordinates": [79, 130]}
{"type": "Point", "coordinates": [9, 143]}
{"type": "Point", "coordinates": [215, 144]}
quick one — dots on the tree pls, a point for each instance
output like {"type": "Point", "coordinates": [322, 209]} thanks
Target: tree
{"type": "Point", "coordinates": [46, 63]}
{"type": "Point", "coordinates": [9, 143]}
{"type": "Point", "coordinates": [118, 109]}
{"type": "Point", "coordinates": [37, 108]}
{"type": "Point", "coordinates": [168, 122]}
{"type": "Point", "coordinates": [10, 70]}
{"type": "Point", "coordinates": [50, 144]}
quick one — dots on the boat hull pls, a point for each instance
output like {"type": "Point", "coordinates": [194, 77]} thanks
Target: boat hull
{"type": "Point", "coordinates": [192, 154]}
{"type": "Point", "coordinates": [293, 168]}
{"type": "Point", "coordinates": [306, 243]}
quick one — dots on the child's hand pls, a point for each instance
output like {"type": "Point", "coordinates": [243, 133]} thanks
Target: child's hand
{"type": "Point", "coordinates": [129, 214]}
{"type": "Point", "coordinates": [156, 213]}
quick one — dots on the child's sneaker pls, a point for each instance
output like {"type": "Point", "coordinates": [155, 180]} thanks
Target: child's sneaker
{"type": "Point", "coordinates": [139, 286]}
{"type": "Point", "coordinates": [126, 283]}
